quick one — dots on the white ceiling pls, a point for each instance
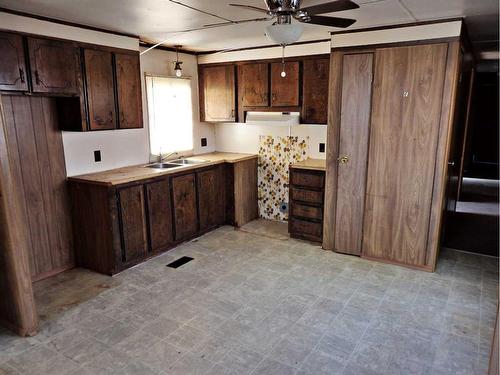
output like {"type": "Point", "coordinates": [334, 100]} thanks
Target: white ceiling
{"type": "Point", "coordinates": [157, 20]}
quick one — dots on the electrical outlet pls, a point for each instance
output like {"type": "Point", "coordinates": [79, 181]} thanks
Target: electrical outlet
{"type": "Point", "coordinates": [97, 156]}
{"type": "Point", "coordinates": [203, 142]}
{"type": "Point", "coordinates": [321, 147]}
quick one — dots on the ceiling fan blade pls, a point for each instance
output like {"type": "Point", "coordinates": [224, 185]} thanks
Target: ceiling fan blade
{"type": "Point", "coordinates": [334, 6]}
{"type": "Point", "coordinates": [328, 21]}
{"type": "Point", "coordinates": [257, 9]}
{"type": "Point", "coordinates": [237, 22]}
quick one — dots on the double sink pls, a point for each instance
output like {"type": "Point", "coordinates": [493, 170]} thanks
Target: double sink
{"type": "Point", "coordinates": [178, 163]}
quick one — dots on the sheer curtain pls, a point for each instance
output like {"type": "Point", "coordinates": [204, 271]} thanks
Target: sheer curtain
{"type": "Point", "coordinates": [170, 114]}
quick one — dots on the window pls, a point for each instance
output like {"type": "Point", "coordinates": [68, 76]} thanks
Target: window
{"type": "Point", "coordinates": [170, 114]}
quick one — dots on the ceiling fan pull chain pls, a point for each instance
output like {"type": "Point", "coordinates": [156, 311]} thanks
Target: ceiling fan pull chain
{"type": "Point", "coordinates": [283, 73]}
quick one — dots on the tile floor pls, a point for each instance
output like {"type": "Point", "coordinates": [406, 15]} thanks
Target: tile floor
{"type": "Point", "coordinates": [249, 304]}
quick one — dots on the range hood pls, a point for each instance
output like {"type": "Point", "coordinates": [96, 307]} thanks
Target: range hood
{"type": "Point", "coordinates": [273, 118]}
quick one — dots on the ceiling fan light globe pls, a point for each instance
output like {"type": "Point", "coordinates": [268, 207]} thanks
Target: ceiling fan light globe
{"type": "Point", "coordinates": [284, 34]}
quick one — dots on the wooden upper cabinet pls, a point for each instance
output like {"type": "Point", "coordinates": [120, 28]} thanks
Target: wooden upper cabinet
{"type": "Point", "coordinates": [185, 207]}
{"type": "Point", "coordinates": [254, 84]}
{"type": "Point", "coordinates": [160, 215]}
{"type": "Point", "coordinates": [210, 190]}
{"type": "Point", "coordinates": [285, 90]}
{"type": "Point", "coordinates": [54, 65]}
{"type": "Point", "coordinates": [315, 79]}
{"type": "Point", "coordinates": [100, 89]}
{"type": "Point", "coordinates": [128, 82]}
{"type": "Point", "coordinates": [133, 224]}
{"type": "Point", "coordinates": [12, 64]}
{"type": "Point", "coordinates": [217, 93]}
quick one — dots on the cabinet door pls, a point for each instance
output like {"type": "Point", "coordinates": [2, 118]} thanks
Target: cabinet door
{"type": "Point", "coordinates": [285, 90]}
{"type": "Point", "coordinates": [100, 92]}
{"type": "Point", "coordinates": [217, 88]}
{"type": "Point", "coordinates": [12, 63]}
{"type": "Point", "coordinates": [353, 147]}
{"type": "Point", "coordinates": [133, 226]}
{"type": "Point", "coordinates": [55, 66]}
{"type": "Point", "coordinates": [128, 83]}
{"type": "Point", "coordinates": [210, 202]}
{"type": "Point", "coordinates": [407, 98]}
{"type": "Point", "coordinates": [254, 82]}
{"type": "Point", "coordinates": [184, 202]}
{"type": "Point", "coordinates": [315, 79]}
{"type": "Point", "coordinates": [160, 215]}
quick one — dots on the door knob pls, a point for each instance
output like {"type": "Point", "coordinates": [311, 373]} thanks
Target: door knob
{"type": "Point", "coordinates": [343, 160]}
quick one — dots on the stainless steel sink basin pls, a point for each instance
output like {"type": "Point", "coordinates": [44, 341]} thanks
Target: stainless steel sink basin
{"type": "Point", "coordinates": [163, 165]}
{"type": "Point", "coordinates": [187, 161]}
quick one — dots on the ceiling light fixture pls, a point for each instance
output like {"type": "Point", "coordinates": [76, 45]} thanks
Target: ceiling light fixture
{"type": "Point", "coordinates": [177, 67]}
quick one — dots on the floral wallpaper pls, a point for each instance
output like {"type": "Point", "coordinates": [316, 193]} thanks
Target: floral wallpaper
{"type": "Point", "coordinates": [276, 153]}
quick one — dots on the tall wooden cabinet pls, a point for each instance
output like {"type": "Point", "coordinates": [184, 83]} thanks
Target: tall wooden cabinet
{"type": "Point", "coordinates": [388, 145]}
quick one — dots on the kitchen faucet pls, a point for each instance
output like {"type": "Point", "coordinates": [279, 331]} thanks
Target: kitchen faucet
{"type": "Point", "coordinates": [164, 157]}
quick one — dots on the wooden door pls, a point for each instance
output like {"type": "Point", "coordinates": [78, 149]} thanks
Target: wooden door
{"type": "Point", "coordinates": [285, 90]}
{"type": "Point", "coordinates": [184, 206]}
{"type": "Point", "coordinates": [12, 64]}
{"type": "Point", "coordinates": [159, 215]}
{"type": "Point", "coordinates": [406, 110]}
{"type": "Point", "coordinates": [133, 226]}
{"type": "Point", "coordinates": [210, 203]}
{"type": "Point", "coordinates": [254, 84]}
{"type": "Point", "coordinates": [217, 90]}
{"type": "Point", "coordinates": [37, 159]}
{"type": "Point", "coordinates": [100, 90]}
{"type": "Point", "coordinates": [315, 80]}
{"type": "Point", "coordinates": [55, 66]}
{"type": "Point", "coordinates": [353, 148]}
{"type": "Point", "coordinates": [128, 85]}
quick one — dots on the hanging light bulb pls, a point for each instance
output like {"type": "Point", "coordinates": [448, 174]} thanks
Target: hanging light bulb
{"type": "Point", "coordinates": [283, 73]}
{"type": "Point", "coordinates": [177, 67]}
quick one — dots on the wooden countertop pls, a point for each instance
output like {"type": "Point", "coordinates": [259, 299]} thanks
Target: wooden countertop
{"type": "Point", "coordinates": [140, 172]}
{"type": "Point", "coordinates": [314, 164]}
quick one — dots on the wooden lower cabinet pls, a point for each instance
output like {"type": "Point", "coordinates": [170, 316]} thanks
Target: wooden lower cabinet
{"type": "Point", "coordinates": [210, 188]}
{"type": "Point", "coordinates": [184, 206]}
{"type": "Point", "coordinates": [159, 209]}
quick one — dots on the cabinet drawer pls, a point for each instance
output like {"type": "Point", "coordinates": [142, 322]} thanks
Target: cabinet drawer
{"type": "Point", "coordinates": [308, 196]}
{"type": "Point", "coordinates": [310, 212]}
{"type": "Point", "coordinates": [307, 179]}
{"type": "Point", "coordinates": [306, 229]}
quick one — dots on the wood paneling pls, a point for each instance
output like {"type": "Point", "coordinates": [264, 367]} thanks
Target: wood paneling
{"type": "Point", "coordinates": [354, 134]}
{"type": "Point", "coordinates": [17, 305]}
{"type": "Point", "coordinates": [133, 225]}
{"type": "Point", "coordinates": [13, 74]}
{"type": "Point", "coordinates": [285, 90]}
{"type": "Point", "coordinates": [407, 98]}
{"type": "Point", "coordinates": [184, 206]}
{"type": "Point", "coordinates": [315, 79]}
{"type": "Point", "coordinates": [217, 93]}
{"type": "Point", "coordinates": [210, 190]}
{"type": "Point", "coordinates": [54, 66]}
{"type": "Point", "coordinates": [245, 192]}
{"type": "Point", "coordinates": [100, 89]}
{"type": "Point", "coordinates": [253, 83]}
{"type": "Point", "coordinates": [37, 158]}
{"type": "Point", "coordinates": [128, 88]}
{"type": "Point", "coordinates": [160, 215]}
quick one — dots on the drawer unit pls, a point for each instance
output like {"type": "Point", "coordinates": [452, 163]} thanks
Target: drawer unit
{"type": "Point", "coordinates": [307, 188]}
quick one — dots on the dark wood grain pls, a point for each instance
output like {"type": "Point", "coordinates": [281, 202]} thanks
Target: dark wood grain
{"type": "Point", "coordinates": [159, 215]}
{"type": "Point", "coordinates": [305, 178]}
{"type": "Point", "coordinates": [128, 88]}
{"type": "Point", "coordinates": [253, 83]}
{"type": "Point", "coordinates": [306, 196]}
{"type": "Point", "coordinates": [354, 134]}
{"type": "Point", "coordinates": [100, 89]}
{"type": "Point", "coordinates": [210, 187]}
{"type": "Point", "coordinates": [245, 192]}
{"type": "Point", "coordinates": [13, 75]}
{"type": "Point", "coordinates": [54, 66]}
{"type": "Point", "coordinates": [306, 229]}
{"type": "Point", "coordinates": [402, 155]}
{"type": "Point", "coordinates": [184, 206]}
{"type": "Point", "coordinates": [303, 211]}
{"type": "Point", "coordinates": [217, 93]}
{"type": "Point", "coordinates": [315, 81]}
{"type": "Point", "coordinates": [285, 90]}
{"type": "Point", "coordinates": [133, 225]}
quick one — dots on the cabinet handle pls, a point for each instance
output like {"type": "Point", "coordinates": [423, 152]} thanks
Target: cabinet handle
{"type": "Point", "coordinates": [21, 74]}
{"type": "Point", "coordinates": [232, 114]}
{"type": "Point", "coordinates": [111, 116]}
{"type": "Point", "coordinates": [37, 77]}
